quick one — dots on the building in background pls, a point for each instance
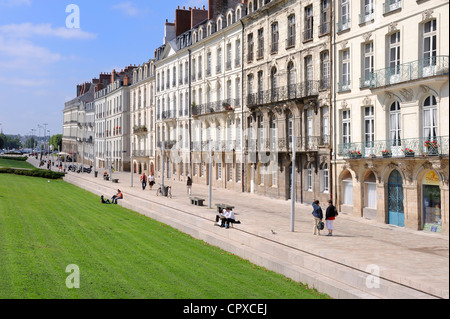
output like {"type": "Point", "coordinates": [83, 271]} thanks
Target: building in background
{"type": "Point", "coordinates": [142, 107]}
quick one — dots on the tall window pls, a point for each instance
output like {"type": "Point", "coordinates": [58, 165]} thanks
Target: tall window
{"type": "Point", "coordinates": [208, 63]}
{"type": "Point", "coordinates": [237, 60]}
{"type": "Point", "coordinates": [229, 57]}
{"type": "Point", "coordinates": [308, 32]}
{"type": "Point", "coordinates": [394, 57]}
{"type": "Point", "coordinates": [260, 86]}
{"type": "Point", "coordinates": [291, 31]}
{"type": "Point", "coordinates": [324, 70]}
{"type": "Point", "coordinates": [274, 84]}
{"type": "Point", "coordinates": [430, 119]}
{"type": "Point", "coordinates": [345, 15]}
{"type": "Point", "coordinates": [250, 47]}
{"type": "Point", "coordinates": [325, 126]}
{"type": "Point", "coordinates": [346, 129]}
{"type": "Point", "coordinates": [291, 80]}
{"type": "Point", "coordinates": [345, 71]}
{"type": "Point", "coordinates": [219, 60]}
{"type": "Point", "coordinates": [290, 129]}
{"type": "Point", "coordinates": [309, 177]}
{"type": "Point", "coordinates": [429, 43]}
{"type": "Point", "coordinates": [369, 127]}
{"type": "Point", "coordinates": [367, 11]}
{"type": "Point", "coordinates": [275, 37]}
{"type": "Point", "coordinates": [324, 17]}
{"type": "Point", "coordinates": [395, 124]}
{"type": "Point", "coordinates": [260, 51]}
{"type": "Point", "coordinates": [309, 72]}
{"type": "Point", "coordinates": [368, 63]}
{"type": "Point", "coordinates": [325, 178]}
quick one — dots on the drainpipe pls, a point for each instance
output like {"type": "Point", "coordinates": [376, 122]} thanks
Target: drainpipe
{"type": "Point", "coordinates": [242, 106]}
{"type": "Point", "coordinates": [332, 77]}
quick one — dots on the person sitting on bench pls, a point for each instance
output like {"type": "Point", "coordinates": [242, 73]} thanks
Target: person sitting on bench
{"type": "Point", "coordinates": [119, 195]}
{"type": "Point", "coordinates": [221, 217]}
{"type": "Point", "coordinates": [105, 201]}
{"type": "Point", "coordinates": [230, 218]}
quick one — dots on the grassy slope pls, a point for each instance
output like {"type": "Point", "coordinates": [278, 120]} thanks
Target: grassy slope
{"type": "Point", "coordinates": [15, 164]}
{"type": "Point", "coordinates": [46, 226]}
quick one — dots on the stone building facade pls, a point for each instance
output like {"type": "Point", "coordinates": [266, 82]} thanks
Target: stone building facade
{"type": "Point", "coordinates": [391, 110]}
{"type": "Point", "coordinates": [287, 87]}
{"type": "Point", "coordinates": [142, 117]}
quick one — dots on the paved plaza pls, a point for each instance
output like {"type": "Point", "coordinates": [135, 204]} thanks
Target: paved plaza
{"type": "Point", "coordinates": [363, 259]}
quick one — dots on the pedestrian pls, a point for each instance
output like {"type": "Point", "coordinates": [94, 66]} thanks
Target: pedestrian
{"type": "Point", "coordinates": [330, 216]}
{"type": "Point", "coordinates": [144, 181]}
{"type": "Point", "coordinates": [318, 216]}
{"type": "Point", "coordinates": [189, 185]}
{"type": "Point", "coordinates": [151, 181]}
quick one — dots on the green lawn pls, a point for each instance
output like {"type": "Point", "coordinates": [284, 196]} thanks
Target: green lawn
{"type": "Point", "coordinates": [15, 164]}
{"type": "Point", "coordinates": [46, 226]}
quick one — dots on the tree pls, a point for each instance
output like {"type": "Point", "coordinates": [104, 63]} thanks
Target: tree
{"type": "Point", "coordinates": [30, 143]}
{"type": "Point", "coordinates": [56, 141]}
{"type": "Point", "coordinates": [2, 141]}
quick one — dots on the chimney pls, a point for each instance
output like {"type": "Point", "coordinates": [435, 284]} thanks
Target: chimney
{"type": "Point", "coordinates": [113, 76]}
{"type": "Point", "coordinates": [198, 15]}
{"type": "Point", "coordinates": [126, 80]}
{"type": "Point", "coordinates": [182, 20]}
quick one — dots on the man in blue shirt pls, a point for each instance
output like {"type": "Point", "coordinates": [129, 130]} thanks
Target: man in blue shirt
{"type": "Point", "coordinates": [318, 216]}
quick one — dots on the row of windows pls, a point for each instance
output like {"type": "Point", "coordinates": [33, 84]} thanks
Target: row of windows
{"type": "Point", "coordinates": [394, 123]}
{"type": "Point", "coordinates": [428, 47]}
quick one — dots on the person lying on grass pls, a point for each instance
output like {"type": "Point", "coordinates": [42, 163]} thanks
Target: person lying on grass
{"type": "Point", "coordinates": [105, 201]}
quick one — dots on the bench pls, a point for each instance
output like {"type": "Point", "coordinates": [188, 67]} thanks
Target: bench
{"type": "Point", "coordinates": [116, 180]}
{"type": "Point", "coordinates": [197, 201]}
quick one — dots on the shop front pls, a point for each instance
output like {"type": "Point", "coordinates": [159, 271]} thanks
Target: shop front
{"type": "Point", "coordinates": [431, 199]}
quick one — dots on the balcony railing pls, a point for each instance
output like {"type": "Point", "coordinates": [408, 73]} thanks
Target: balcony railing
{"type": "Point", "coordinates": [285, 93]}
{"type": "Point", "coordinates": [343, 25]}
{"type": "Point", "coordinates": [213, 107]}
{"type": "Point", "coordinates": [411, 147]}
{"type": "Point", "coordinates": [140, 129]}
{"type": "Point", "coordinates": [324, 28]}
{"type": "Point", "coordinates": [415, 70]}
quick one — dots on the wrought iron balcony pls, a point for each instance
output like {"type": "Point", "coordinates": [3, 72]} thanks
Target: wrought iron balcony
{"type": "Point", "coordinates": [275, 145]}
{"type": "Point", "coordinates": [285, 93]}
{"type": "Point", "coordinates": [213, 107]}
{"type": "Point", "coordinates": [410, 71]}
{"type": "Point", "coordinates": [411, 147]}
{"type": "Point", "coordinates": [142, 129]}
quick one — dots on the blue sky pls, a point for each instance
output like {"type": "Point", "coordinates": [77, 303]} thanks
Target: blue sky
{"type": "Point", "coordinates": [42, 61]}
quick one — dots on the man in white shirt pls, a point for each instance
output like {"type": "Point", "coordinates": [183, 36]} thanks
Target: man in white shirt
{"type": "Point", "coordinates": [229, 218]}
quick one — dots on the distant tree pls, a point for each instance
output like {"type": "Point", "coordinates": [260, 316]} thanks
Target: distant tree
{"type": "Point", "coordinates": [56, 141]}
{"type": "Point", "coordinates": [11, 142]}
{"type": "Point", "coordinates": [30, 143]}
{"type": "Point", "coordinates": [2, 141]}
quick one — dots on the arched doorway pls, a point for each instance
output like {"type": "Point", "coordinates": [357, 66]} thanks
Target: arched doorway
{"type": "Point", "coordinates": [431, 199]}
{"type": "Point", "coordinates": [395, 199]}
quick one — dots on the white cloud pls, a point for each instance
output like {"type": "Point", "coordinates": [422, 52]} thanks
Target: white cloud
{"type": "Point", "coordinates": [128, 8]}
{"type": "Point", "coordinates": [27, 30]}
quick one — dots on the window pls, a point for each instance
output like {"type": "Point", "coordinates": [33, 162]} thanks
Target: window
{"type": "Point", "coordinates": [219, 60]}
{"type": "Point", "coordinates": [325, 126]}
{"type": "Point", "coordinates": [391, 5]}
{"type": "Point", "coordinates": [324, 27]}
{"type": "Point", "coordinates": [369, 128]}
{"type": "Point", "coordinates": [309, 71]}
{"type": "Point", "coordinates": [229, 57]}
{"type": "Point", "coordinates": [344, 22]}
{"type": "Point", "coordinates": [346, 130]}
{"type": "Point", "coordinates": [429, 44]}
{"type": "Point", "coordinates": [208, 64]}
{"type": "Point", "coordinates": [309, 178]}
{"type": "Point", "coordinates": [260, 44]}
{"type": "Point", "coordinates": [291, 80]}
{"type": "Point", "coordinates": [230, 172]}
{"type": "Point", "coordinates": [291, 31]}
{"type": "Point", "coordinates": [367, 63]}
{"type": "Point", "coordinates": [430, 119]}
{"type": "Point", "coordinates": [219, 171]}
{"type": "Point", "coordinates": [290, 129]}
{"type": "Point", "coordinates": [237, 60]}
{"type": "Point", "coordinates": [275, 37]}
{"type": "Point", "coordinates": [367, 11]}
{"type": "Point", "coordinates": [324, 70]}
{"type": "Point", "coordinates": [238, 173]}
{"type": "Point", "coordinates": [274, 84]}
{"type": "Point", "coordinates": [345, 71]}
{"type": "Point", "coordinates": [308, 33]}
{"type": "Point", "coordinates": [395, 124]}
{"type": "Point", "coordinates": [325, 178]}
{"type": "Point", "coordinates": [394, 57]}
{"type": "Point", "coordinates": [250, 47]}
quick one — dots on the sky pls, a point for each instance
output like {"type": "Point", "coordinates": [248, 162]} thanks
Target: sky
{"type": "Point", "coordinates": [45, 52]}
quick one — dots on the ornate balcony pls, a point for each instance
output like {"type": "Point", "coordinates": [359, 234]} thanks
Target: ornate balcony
{"type": "Point", "coordinates": [213, 107]}
{"type": "Point", "coordinates": [416, 70]}
{"type": "Point", "coordinates": [282, 94]}
{"type": "Point", "coordinates": [411, 147]}
{"type": "Point", "coordinates": [140, 129]}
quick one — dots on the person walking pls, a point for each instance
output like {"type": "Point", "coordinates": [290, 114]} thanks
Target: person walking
{"type": "Point", "coordinates": [144, 181]}
{"type": "Point", "coordinates": [317, 215]}
{"type": "Point", "coordinates": [189, 185]}
{"type": "Point", "coordinates": [151, 181]}
{"type": "Point", "coordinates": [330, 216]}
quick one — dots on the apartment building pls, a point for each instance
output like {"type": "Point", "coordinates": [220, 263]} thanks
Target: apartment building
{"type": "Point", "coordinates": [198, 96]}
{"type": "Point", "coordinates": [112, 107]}
{"type": "Point", "coordinates": [142, 107]}
{"type": "Point", "coordinates": [392, 111]}
{"type": "Point", "coordinates": [287, 81]}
